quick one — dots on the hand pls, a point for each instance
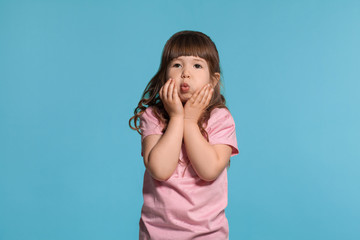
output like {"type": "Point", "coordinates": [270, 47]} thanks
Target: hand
{"type": "Point", "coordinates": [198, 102]}
{"type": "Point", "coordinates": [170, 98]}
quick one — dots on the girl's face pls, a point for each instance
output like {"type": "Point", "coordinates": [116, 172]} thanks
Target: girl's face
{"type": "Point", "coordinates": [190, 74]}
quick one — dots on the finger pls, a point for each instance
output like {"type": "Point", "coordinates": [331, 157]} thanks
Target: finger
{"type": "Point", "coordinates": [194, 96]}
{"type": "Point", "coordinates": [175, 93]}
{"type": "Point", "coordinates": [202, 94]}
{"type": "Point", "coordinates": [206, 92]}
{"type": "Point", "coordinates": [170, 90]}
{"type": "Point", "coordinates": [205, 96]}
{"type": "Point", "coordinates": [165, 89]}
{"type": "Point", "coordinates": [160, 93]}
{"type": "Point", "coordinates": [209, 96]}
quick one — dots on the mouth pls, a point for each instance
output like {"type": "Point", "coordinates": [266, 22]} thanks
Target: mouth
{"type": "Point", "coordinates": [184, 87]}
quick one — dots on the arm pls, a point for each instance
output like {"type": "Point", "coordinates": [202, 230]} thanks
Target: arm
{"type": "Point", "coordinates": [207, 160]}
{"type": "Point", "coordinates": [161, 152]}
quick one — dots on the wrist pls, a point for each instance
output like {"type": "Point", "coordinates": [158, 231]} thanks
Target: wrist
{"type": "Point", "coordinates": [191, 120]}
{"type": "Point", "coordinates": [177, 117]}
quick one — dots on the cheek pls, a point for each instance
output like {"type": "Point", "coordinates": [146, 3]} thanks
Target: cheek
{"type": "Point", "coordinates": [167, 75]}
{"type": "Point", "coordinates": [177, 85]}
{"type": "Point", "coordinates": [172, 74]}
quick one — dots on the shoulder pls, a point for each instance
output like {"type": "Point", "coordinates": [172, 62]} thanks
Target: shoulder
{"type": "Point", "coordinates": [220, 115]}
{"type": "Point", "coordinates": [220, 112]}
{"type": "Point", "coordinates": [149, 123]}
{"type": "Point", "coordinates": [149, 114]}
{"type": "Point", "coordinates": [220, 120]}
{"type": "Point", "coordinates": [148, 111]}
{"type": "Point", "coordinates": [221, 129]}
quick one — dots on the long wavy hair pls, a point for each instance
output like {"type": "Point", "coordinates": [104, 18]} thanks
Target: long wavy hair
{"type": "Point", "coordinates": [184, 43]}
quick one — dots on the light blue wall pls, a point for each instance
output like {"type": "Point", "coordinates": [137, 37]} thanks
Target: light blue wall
{"type": "Point", "coordinates": [72, 72]}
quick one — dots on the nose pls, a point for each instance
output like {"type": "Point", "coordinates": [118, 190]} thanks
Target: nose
{"type": "Point", "coordinates": [185, 73]}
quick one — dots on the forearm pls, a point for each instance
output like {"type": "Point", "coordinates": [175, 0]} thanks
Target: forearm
{"type": "Point", "coordinates": [201, 153]}
{"type": "Point", "coordinates": [164, 156]}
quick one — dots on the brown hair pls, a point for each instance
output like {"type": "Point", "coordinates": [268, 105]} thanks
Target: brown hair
{"type": "Point", "coordinates": [184, 43]}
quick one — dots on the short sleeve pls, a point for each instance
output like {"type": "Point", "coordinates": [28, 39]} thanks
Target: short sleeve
{"type": "Point", "coordinates": [149, 124]}
{"type": "Point", "coordinates": [221, 129]}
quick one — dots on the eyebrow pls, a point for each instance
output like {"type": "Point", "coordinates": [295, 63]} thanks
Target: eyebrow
{"type": "Point", "coordinates": [199, 60]}
{"type": "Point", "coordinates": [194, 59]}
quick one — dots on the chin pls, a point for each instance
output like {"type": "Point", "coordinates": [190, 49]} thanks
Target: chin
{"type": "Point", "coordinates": [184, 99]}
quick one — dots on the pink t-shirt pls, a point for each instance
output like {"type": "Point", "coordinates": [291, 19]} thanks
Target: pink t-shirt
{"type": "Point", "coordinates": [185, 206]}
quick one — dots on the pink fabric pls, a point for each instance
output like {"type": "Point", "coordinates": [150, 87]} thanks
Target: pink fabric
{"type": "Point", "coordinates": [185, 206]}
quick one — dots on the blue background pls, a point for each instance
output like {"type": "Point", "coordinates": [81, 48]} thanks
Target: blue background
{"type": "Point", "coordinates": [72, 72]}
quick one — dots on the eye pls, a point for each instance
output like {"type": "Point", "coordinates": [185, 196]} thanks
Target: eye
{"type": "Point", "coordinates": [197, 66]}
{"type": "Point", "coordinates": [176, 65]}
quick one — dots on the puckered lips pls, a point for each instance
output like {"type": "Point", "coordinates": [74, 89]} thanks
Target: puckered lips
{"type": "Point", "coordinates": [184, 87]}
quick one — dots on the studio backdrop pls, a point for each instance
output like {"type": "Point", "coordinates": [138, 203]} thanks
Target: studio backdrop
{"type": "Point", "coordinates": [72, 73]}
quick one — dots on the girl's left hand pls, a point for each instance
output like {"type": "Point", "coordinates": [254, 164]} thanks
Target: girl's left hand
{"type": "Point", "coordinates": [198, 102]}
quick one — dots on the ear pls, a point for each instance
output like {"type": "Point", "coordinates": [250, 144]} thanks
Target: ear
{"type": "Point", "coordinates": [215, 79]}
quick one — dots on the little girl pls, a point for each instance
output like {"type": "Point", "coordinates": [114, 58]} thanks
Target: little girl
{"type": "Point", "coordinates": [187, 138]}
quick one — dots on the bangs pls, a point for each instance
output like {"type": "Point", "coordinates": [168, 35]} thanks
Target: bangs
{"type": "Point", "coordinates": [188, 45]}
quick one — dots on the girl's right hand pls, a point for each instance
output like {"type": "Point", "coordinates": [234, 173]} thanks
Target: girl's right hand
{"type": "Point", "coordinates": [170, 98]}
